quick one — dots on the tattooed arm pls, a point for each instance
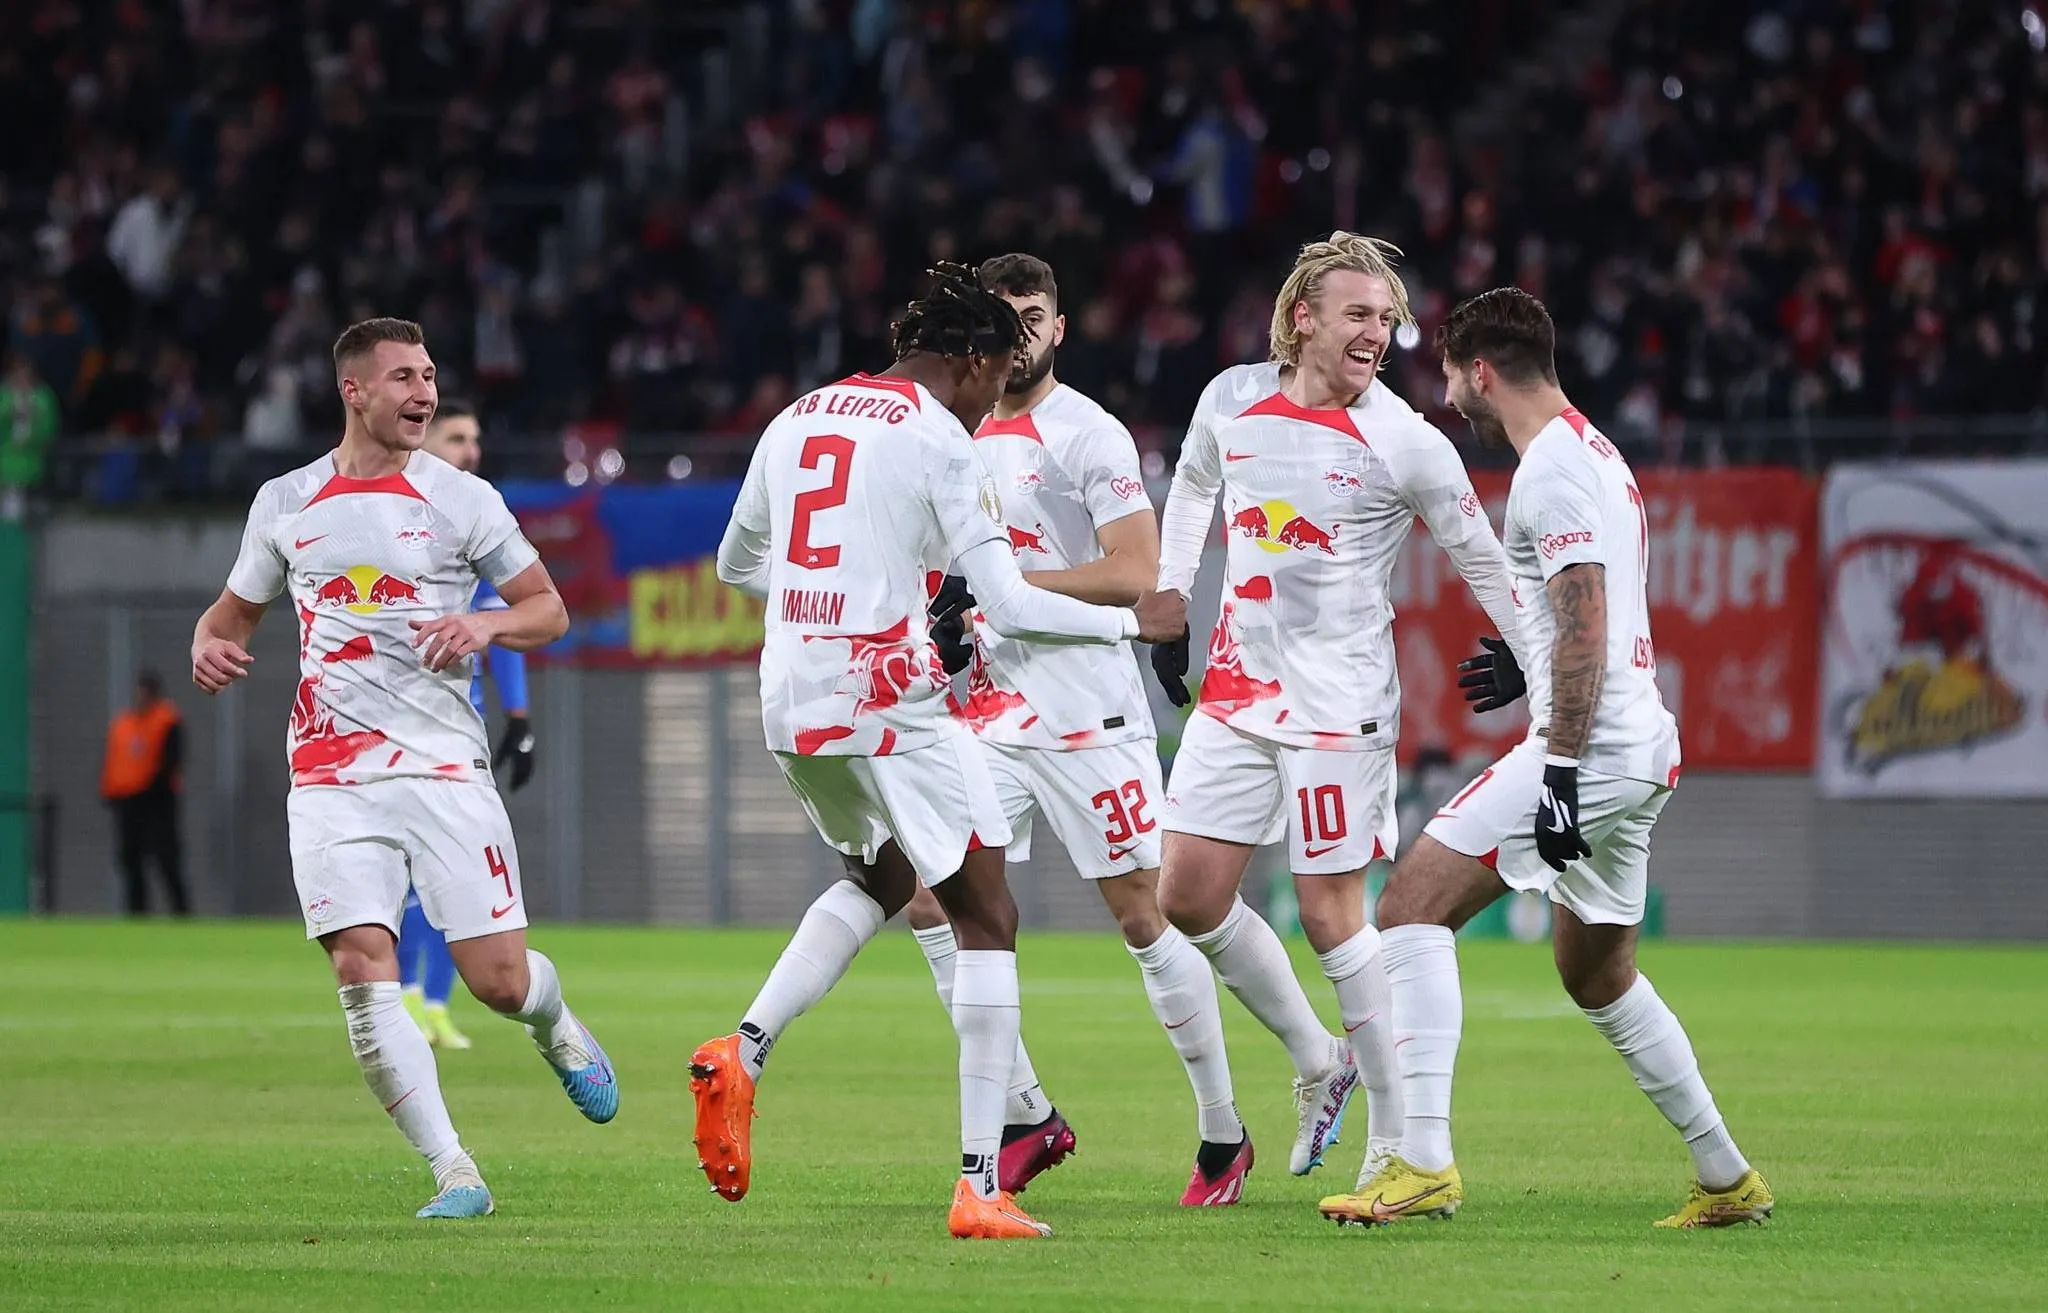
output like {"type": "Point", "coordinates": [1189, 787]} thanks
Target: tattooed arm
{"type": "Point", "coordinates": [1578, 661]}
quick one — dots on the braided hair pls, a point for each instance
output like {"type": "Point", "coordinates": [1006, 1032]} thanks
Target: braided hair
{"type": "Point", "coordinates": [958, 316]}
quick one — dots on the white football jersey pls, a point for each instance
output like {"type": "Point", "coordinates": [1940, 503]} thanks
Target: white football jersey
{"type": "Point", "coordinates": [1316, 504]}
{"type": "Point", "coordinates": [859, 489]}
{"type": "Point", "coordinates": [362, 559]}
{"type": "Point", "coordinates": [1062, 471]}
{"type": "Point", "coordinates": [1574, 501]}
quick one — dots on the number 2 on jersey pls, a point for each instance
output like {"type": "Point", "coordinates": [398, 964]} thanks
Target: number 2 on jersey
{"type": "Point", "coordinates": [820, 447]}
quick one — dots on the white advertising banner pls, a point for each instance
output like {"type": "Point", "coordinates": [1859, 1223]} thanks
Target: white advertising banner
{"type": "Point", "coordinates": [1934, 642]}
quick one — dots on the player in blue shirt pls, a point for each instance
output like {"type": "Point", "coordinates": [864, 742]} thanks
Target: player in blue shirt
{"type": "Point", "coordinates": [425, 970]}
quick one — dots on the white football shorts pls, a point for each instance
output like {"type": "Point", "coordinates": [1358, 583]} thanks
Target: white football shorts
{"type": "Point", "coordinates": [1494, 819]}
{"type": "Point", "coordinates": [938, 803]}
{"type": "Point", "coordinates": [1099, 801]}
{"type": "Point", "coordinates": [358, 848]}
{"type": "Point", "coordinates": [1335, 809]}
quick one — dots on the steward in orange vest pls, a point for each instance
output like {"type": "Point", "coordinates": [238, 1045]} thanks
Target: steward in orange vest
{"type": "Point", "coordinates": [145, 751]}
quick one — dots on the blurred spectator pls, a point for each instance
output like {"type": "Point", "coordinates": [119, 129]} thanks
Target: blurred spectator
{"type": "Point", "coordinates": [28, 425]}
{"type": "Point", "coordinates": [646, 214]}
{"type": "Point", "coordinates": [141, 780]}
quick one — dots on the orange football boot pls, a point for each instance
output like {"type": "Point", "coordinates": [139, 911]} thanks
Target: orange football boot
{"type": "Point", "coordinates": [725, 1116]}
{"type": "Point", "coordinates": [976, 1218]}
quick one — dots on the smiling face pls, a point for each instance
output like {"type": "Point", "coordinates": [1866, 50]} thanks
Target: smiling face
{"type": "Point", "coordinates": [1345, 330]}
{"type": "Point", "coordinates": [389, 390]}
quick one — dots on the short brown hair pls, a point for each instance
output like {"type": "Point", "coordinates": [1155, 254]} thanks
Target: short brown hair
{"type": "Point", "coordinates": [1018, 274]}
{"type": "Point", "coordinates": [360, 339]}
{"type": "Point", "coordinates": [1508, 329]}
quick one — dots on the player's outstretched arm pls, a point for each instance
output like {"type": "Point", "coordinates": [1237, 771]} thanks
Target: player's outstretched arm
{"type": "Point", "coordinates": [1435, 485]}
{"type": "Point", "coordinates": [1128, 566]}
{"type": "Point", "coordinates": [1015, 609]}
{"type": "Point", "coordinates": [220, 641]}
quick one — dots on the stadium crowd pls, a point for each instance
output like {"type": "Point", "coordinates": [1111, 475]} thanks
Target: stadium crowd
{"type": "Point", "coordinates": [1741, 210]}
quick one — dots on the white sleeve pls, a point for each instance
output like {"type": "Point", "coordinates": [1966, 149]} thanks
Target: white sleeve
{"type": "Point", "coordinates": [1433, 482]}
{"type": "Point", "coordinates": [259, 572]}
{"type": "Point", "coordinates": [962, 495]}
{"type": "Point", "coordinates": [1191, 504]}
{"type": "Point", "coordinates": [1112, 484]}
{"type": "Point", "coordinates": [1564, 516]}
{"type": "Point", "coordinates": [496, 547]}
{"type": "Point", "coordinates": [743, 551]}
{"type": "Point", "coordinates": [1016, 609]}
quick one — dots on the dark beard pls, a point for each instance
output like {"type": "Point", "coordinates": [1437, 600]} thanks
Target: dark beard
{"type": "Point", "coordinates": [1019, 384]}
{"type": "Point", "coordinates": [1492, 434]}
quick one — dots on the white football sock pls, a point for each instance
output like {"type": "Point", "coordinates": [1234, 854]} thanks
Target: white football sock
{"type": "Point", "coordinates": [1253, 965]}
{"type": "Point", "coordinates": [939, 949]}
{"type": "Point", "coordinates": [1026, 1104]}
{"type": "Point", "coordinates": [835, 928]}
{"type": "Point", "coordinates": [1365, 999]}
{"type": "Point", "coordinates": [987, 1017]}
{"type": "Point", "coordinates": [1429, 1014]}
{"type": "Point", "coordinates": [546, 1018]}
{"type": "Point", "coordinates": [1644, 1030]}
{"type": "Point", "coordinates": [398, 1066]}
{"type": "Point", "coordinates": [1182, 991]}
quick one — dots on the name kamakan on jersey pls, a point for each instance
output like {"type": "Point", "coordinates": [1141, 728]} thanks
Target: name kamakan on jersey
{"type": "Point", "coordinates": [859, 489]}
{"type": "Point", "coordinates": [1062, 471]}
{"type": "Point", "coordinates": [362, 559]}
{"type": "Point", "coordinates": [1316, 504]}
{"type": "Point", "coordinates": [1573, 501]}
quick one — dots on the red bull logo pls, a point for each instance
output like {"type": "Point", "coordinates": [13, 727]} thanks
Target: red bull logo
{"type": "Point", "coordinates": [364, 589]}
{"type": "Point", "coordinates": [1030, 481]}
{"type": "Point", "coordinates": [1296, 532]}
{"type": "Point", "coordinates": [1026, 540]}
{"type": "Point", "coordinates": [1258, 588]}
{"type": "Point", "coordinates": [1345, 483]}
{"type": "Point", "coordinates": [1299, 532]}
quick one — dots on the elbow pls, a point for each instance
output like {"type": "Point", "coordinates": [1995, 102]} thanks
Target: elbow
{"type": "Point", "coordinates": [558, 621]}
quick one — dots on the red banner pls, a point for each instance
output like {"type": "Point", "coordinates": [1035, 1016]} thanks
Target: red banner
{"type": "Point", "coordinates": [1734, 601]}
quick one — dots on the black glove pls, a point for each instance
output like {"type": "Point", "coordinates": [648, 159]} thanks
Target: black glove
{"type": "Point", "coordinates": [1558, 841]}
{"type": "Point", "coordinates": [1170, 666]}
{"type": "Point", "coordinates": [948, 612]}
{"type": "Point", "coordinates": [1493, 678]}
{"type": "Point", "coordinates": [517, 747]}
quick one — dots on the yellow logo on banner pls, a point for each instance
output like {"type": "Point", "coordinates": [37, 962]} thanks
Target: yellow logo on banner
{"type": "Point", "coordinates": [1921, 708]}
{"type": "Point", "coordinates": [683, 612]}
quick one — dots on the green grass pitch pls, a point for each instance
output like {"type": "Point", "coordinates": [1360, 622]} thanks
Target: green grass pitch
{"type": "Point", "coordinates": [181, 1127]}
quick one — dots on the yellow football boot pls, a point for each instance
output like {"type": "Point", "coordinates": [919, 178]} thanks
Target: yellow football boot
{"type": "Point", "coordinates": [1748, 1200]}
{"type": "Point", "coordinates": [1396, 1191]}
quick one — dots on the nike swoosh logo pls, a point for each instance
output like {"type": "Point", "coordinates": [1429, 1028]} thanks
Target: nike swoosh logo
{"type": "Point", "coordinates": [1384, 1211]}
{"type": "Point", "coordinates": [1318, 852]}
{"type": "Point", "coordinates": [1118, 854]}
{"type": "Point", "coordinates": [1353, 1030]}
{"type": "Point", "coordinates": [1239, 455]}
{"type": "Point", "coordinates": [1176, 1025]}
{"type": "Point", "coordinates": [301, 544]}
{"type": "Point", "coordinates": [497, 912]}
{"type": "Point", "coordinates": [1556, 826]}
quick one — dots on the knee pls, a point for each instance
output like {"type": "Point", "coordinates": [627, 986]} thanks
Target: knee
{"type": "Point", "coordinates": [1140, 920]}
{"type": "Point", "coordinates": [1594, 985]}
{"type": "Point", "coordinates": [923, 911]}
{"type": "Point", "coordinates": [499, 986]}
{"type": "Point", "coordinates": [1325, 922]}
{"type": "Point", "coordinates": [1186, 910]}
{"type": "Point", "coordinates": [353, 966]}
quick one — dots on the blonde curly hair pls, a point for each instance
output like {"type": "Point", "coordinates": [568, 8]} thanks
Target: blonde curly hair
{"type": "Point", "coordinates": [1317, 261]}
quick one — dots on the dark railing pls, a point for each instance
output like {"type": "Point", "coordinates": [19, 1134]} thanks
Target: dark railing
{"type": "Point", "coordinates": [42, 893]}
{"type": "Point", "coordinates": [128, 471]}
